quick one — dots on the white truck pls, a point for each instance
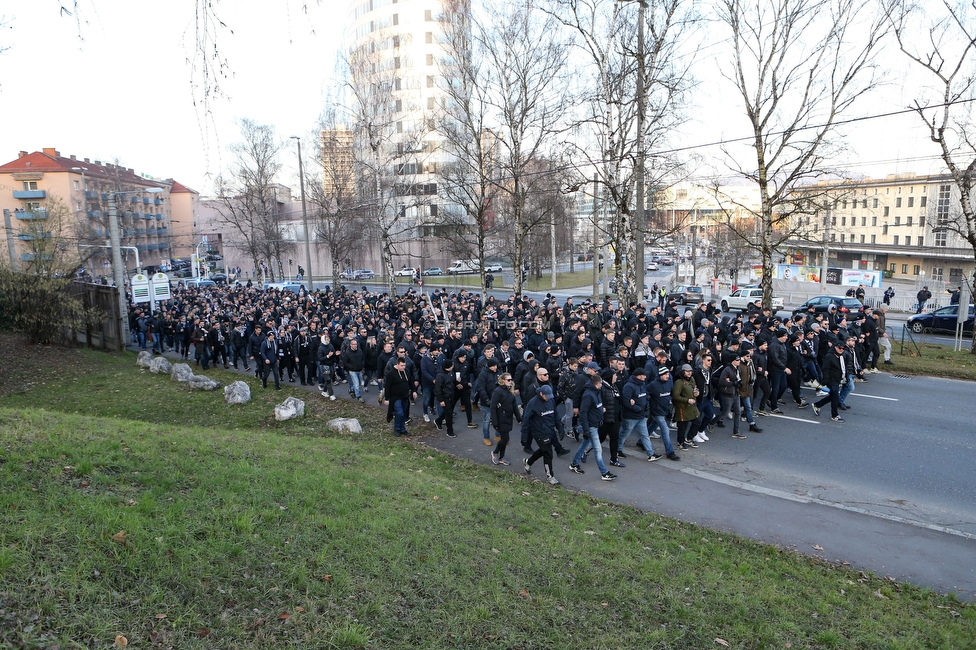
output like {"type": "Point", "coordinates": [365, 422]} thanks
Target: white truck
{"type": "Point", "coordinates": [463, 267]}
{"type": "Point", "coordinates": [739, 299]}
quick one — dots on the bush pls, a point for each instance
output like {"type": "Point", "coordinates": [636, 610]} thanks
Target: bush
{"type": "Point", "coordinates": [40, 307]}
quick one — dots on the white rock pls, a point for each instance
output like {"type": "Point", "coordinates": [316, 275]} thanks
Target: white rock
{"type": "Point", "coordinates": [237, 393]}
{"type": "Point", "coordinates": [144, 359]}
{"type": "Point", "coordinates": [291, 408]}
{"type": "Point", "coordinates": [201, 382]}
{"type": "Point", "coordinates": [181, 372]}
{"type": "Point", "coordinates": [344, 425]}
{"type": "Point", "coordinates": [160, 366]}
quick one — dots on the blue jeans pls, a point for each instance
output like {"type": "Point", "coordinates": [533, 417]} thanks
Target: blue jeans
{"type": "Point", "coordinates": [486, 422]}
{"type": "Point", "coordinates": [777, 384]}
{"type": "Point", "coordinates": [626, 426]}
{"type": "Point", "coordinates": [591, 440]}
{"type": "Point", "coordinates": [746, 403]}
{"type": "Point", "coordinates": [356, 383]}
{"type": "Point", "coordinates": [141, 337]}
{"type": "Point", "coordinates": [707, 414]}
{"type": "Point", "coordinates": [660, 423]}
{"type": "Point", "coordinates": [429, 407]}
{"type": "Point", "coordinates": [846, 389]}
{"type": "Point", "coordinates": [399, 416]}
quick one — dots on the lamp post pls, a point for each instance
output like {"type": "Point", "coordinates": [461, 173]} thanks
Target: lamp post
{"type": "Point", "coordinates": [301, 182]}
{"type": "Point", "coordinates": [117, 270]}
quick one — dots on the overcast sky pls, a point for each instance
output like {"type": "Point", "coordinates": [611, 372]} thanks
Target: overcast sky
{"type": "Point", "coordinates": [114, 81]}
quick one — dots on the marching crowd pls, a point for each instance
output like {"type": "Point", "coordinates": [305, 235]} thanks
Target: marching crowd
{"type": "Point", "coordinates": [591, 373]}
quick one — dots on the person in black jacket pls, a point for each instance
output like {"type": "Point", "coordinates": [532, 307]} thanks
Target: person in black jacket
{"type": "Point", "coordinates": [503, 410]}
{"type": "Point", "coordinates": [238, 342]}
{"type": "Point", "coordinates": [487, 382]}
{"type": "Point", "coordinates": [270, 353]}
{"type": "Point", "coordinates": [613, 382]}
{"type": "Point", "coordinates": [834, 372]}
{"type": "Point", "coordinates": [542, 425]}
{"type": "Point", "coordinates": [326, 357]}
{"type": "Point", "coordinates": [445, 394]}
{"type": "Point", "coordinates": [591, 418]}
{"type": "Point", "coordinates": [398, 390]}
{"type": "Point", "coordinates": [254, 343]}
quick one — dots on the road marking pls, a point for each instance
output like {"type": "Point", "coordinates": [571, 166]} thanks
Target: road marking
{"type": "Point", "coordinates": [889, 399]}
{"type": "Point", "coordinates": [787, 417]}
{"type": "Point", "coordinates": [788, 496]}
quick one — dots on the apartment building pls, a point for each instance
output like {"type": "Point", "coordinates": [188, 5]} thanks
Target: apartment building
{"type": "Point", "coordinates": [35, 184]}
{"type": "Point", "coordinates": [900, 225]}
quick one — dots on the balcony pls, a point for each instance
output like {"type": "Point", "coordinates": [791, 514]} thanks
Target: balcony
{"type": "Point", "coordinates": [94, 214]}
{"type": "Point", "coordinates": [153, 247]}
{"type": "Point", "coordinates": [148, 216]}
{"type": "Point", "coordinates": [133, 199]}
{"type": "Point", "coordinates": [142, 248]}
{"type": "Point", "coordinates": [30, 257]}
{"type": "Point", "coordinates": [162, 230]}
{"type": "Point", "coordinates": [98, 232]}
{"type": "Point", "coordinates": [24, 236]}
{"type": "Point", "coordinates": [159, 217]}
{"type": "Point", "coordinates": [24, 215]}
{"type": "Point", "coordinates": [30, 195]}
{"type": "Point", "coordinates": [140, 232]}
{"type": "Point", "coordinates": [92, 195]}
{"type": "Point", "coordinates": [146, 200]}
{"type": "Point", "coordinates": [150, 231]}
{"type": "Point", "coordinates": [163, 245]}
{"type": "Point", "coordinates": [157, 201]}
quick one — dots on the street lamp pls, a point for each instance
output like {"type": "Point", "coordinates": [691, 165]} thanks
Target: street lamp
{"type": "Point", "coordinates": [301, 181]}
{"type": "Point", "coordinates": [117, 271]}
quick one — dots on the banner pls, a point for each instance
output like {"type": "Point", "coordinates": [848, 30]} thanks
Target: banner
{"type": "Point", "coordinates": [854, 277]}
{"type": "Point", "coordinates": [797, 273]}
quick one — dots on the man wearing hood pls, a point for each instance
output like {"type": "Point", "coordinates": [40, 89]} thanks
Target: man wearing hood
{"type": "Point", "coordinates": [660, 406]}
{"type": "Point", "coordinates": [541, 424]}
{"type": "Point", "coordinates": [634, 411]}
{"type": "Point", "coordinates": [591, 412]}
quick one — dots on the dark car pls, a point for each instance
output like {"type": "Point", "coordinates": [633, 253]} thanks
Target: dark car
{"type": "Point", "coordinates": [687, 294]}
{"type": "Point", "coordinates": [821, 304]}
{"type": "Point", "coordinates": [219, 278]}
{"type": "Point", "coordinates": [183, 273]}
{"type": "Point", "coordinates": [943, 319]}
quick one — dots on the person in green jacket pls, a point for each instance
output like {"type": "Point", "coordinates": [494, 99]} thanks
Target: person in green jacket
{"type": "Point", "coordinates": [683, 396]}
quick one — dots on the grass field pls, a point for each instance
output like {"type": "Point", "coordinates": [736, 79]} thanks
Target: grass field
{"type": "Point", "coordinates": [934, 360]}
{"type": "Point", "coordinates": [132, 507]}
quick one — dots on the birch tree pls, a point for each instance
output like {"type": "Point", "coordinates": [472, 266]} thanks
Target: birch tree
{"type": "Point", "coordinates": [798, 66]}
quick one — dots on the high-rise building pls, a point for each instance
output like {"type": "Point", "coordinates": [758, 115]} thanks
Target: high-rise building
{"type": "Point", "coordinates": [395, 49]}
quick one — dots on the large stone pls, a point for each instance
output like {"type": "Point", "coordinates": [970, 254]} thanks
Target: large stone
{"type": "Point", "coordinates": [344, 425]}
{"type": "Point", "coordinates": [201, 382]}
{"type": "Point", "coordinates": [160, 366]}
{"type": "Point", "coordinates": [291, 408]}
{"type": "Point", "coordinates": [181, 372]}
{"type": "Point", "coordinates": [237, 393]}
{"type": "Point", "coordinates": [144, 359]}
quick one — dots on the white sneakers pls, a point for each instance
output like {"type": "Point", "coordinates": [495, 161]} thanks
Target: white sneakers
{"type": "Point", "coordinates": [699, 438]}
{"type": "Point", "coordinates": [426, 418]}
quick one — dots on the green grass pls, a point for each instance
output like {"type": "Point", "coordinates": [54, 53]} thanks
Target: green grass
{"type": "Point", "coordinates": [241, 532]}
{"type": "Point", "coordinates": [934, 360]}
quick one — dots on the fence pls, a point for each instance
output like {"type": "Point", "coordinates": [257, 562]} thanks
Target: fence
{"type": "Point", "coordinates": [106, 334]}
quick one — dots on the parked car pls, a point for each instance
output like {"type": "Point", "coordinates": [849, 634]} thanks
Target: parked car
{"type": "Point", "coordinates": [493, 268]}
{"type": "Point", "coordinates": [406, 272]}
{"type": "Point", "coordinates": [184, 272]}
{"type": "Point", "coordinates": [687, 294]}
{"type": "Point", "coordinates": [285, 285]}
{"type": "Point", "coordinates": [219, 278]}
{"type": "Point", "coordinates": [943, 319]}
{"type": "Point", "coordinates": [821, 304]}
{"type": "Point", "coordinates": [651, 266]}
{"type": "Point", "coordinates": [199, 283]}
{"type": "Point", "coordinates": [740, 299]}
{"type": "Point", "coordinates": [434, 270]}
{"type": "Point", "coordinates": [364, 274]}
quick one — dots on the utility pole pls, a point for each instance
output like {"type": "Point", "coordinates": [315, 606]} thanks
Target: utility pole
{"type": "Point", "coordinates": [117, 270]}
{"type": "Point", "coordinates": [641, 225]}
{"type": "Point", "coordinates": [826, 247]}
{"type": "Point", "coordinates": [301, 181]}
{"type": "Point", "coordinates": [11, 246]}
{"type": "Point", "coordinates": [596, 251]}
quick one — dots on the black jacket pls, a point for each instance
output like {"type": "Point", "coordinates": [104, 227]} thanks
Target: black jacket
{"type": "Point", "coordinates": [591, 408]}
{"type": "Point", "coordinates": [504, 410]}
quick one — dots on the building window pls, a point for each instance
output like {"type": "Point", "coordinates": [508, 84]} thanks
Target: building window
{"type": "Point", "coordinates": [430, 103]}
{"type": "Point", "coordinates": [904, 268]}
{"type": "Point", "coordinates": [430, 82]}
{"type": "Point", "coordinates": [843, 220]}
{"type": "Point", "coordinates": [918, 269]}
{"type": "Point", "coordinates": [908, 240]}
{"type": "Point", "coordinates": [911, 201]}
{"type": "Point", "coordinates": [894, 240]}
{"type": "Point", "coordinates": [430, 59]}
{"type": "Point", "coordinates": [429, 37]}
{"type": "Point", "coordinates": [77, 185]}
{"type": "Point", "coordinates": [921, 201]}
{"type": "Point", "coordinates": [433, 209]}
{"type": "Point", "coordinates": [398, 106]}
{"type": "Point", "coordinates": [428, 15]}
{"type": "Point", "coordinates": [833, 236]}
{"type": "Point", "coordinates": [30, 186]}
{"type": "Point", "coordinates": [845, 204]}
{"type": "Point", "coordinates": [864, 220]}
{"type": "Point", "coordinates": [874, 222]}
{"type": "Point", "coordinates": [897, 221]}
{"type": "Point", "coordinates": [873, 238]}
{"type": "Point", "coordinates": [937, 273]}
{"type": "Point", "coordinates": [852, 238]}
{"type": "Point", "coordinates": [886, 211]}
{"type": "Point", "coordinates": [874, 202]}
{"type": "Point", "coordinates": [396, 62]}
{"type": "Point", "coordinates": [942, 215]}
{"type": "Point", "coordinates": [892, 269]}
{"type": "Point", "coordinates": [833, 221]}
{"type": "Point", "coordinates": [898, 200]}
{"type": "Point", "coordinates": [921, 221]}
{"type": "Point", "coordinates": [864, 203]}
{"type": "Point", "coordinates": [396, 84]}
{"type": "Point", "coordinates": [884, 229]}
{"type": "Point", "coordinates": [862, 239]}
{"type": "Point", "coordinates": [921, 241]}
{"type": "Point", "coordinates": [908, 221]}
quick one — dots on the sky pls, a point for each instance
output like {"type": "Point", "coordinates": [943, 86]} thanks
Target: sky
{"type": "Point", "coordinates": [114, 81]}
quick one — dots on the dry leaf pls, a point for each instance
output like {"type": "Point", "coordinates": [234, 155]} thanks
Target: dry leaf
{"type": "Point", "coordinates": [722, 642]}
{"type": "Point", "coordinates": [817, 547]}
{"type": "Point", "coordinates": [589, 532]}
{"type": "Point", "coordinates": [436, 498]}
{"type": "Point", "coordinates": [605, 604]}
{"type": "Point", "coordinates": [121, 641]}
{"type": "Point", "coordinates": [880, 595]}
{"type": "Point", "coordinates": [160, 616]}
{"type": "Point", "coordinates": [86, 484]}
{"type": "Point", "coordinates": [119, 537]}
{"type": "Point", "coordinates": [130, 502]}
{"type": "Point", "coordinates": [327, 577]}
{"type": "Point", "coordinates": [203, 632]}
{"type": "Point", "coordinates": [523, 593]}
{"type": "Point", "coordinates": [284, 616]}
{"type": "Point", "coordinates": [525, 494]}
{"type": "Point", "coordinates": [300, 610]}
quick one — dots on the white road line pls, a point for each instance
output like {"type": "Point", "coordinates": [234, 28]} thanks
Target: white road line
{"type": "Point", "coordinates": [788, 496]}
{"type": "Point", "coordinates": [787, 417]}
{"type": "Point", "coordinates": [888, 399]}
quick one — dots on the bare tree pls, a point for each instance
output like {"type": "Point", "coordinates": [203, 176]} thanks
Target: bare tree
{"type": "Point", "coordinates": [632, 101]}
{"type": "Point", "coordinates": [247, 197]}
{"type": "Point", "coordinates": [527, 94]}
{"type": "Point", "coordinates": [469, 179]}
{"type": "Point", "coordinates": [940, 38]}
{"type": "Point", "coordinates": [798, 66]}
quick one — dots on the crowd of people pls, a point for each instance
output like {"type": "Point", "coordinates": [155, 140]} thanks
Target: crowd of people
{"type": "Point", "coordinates": [566, 374]}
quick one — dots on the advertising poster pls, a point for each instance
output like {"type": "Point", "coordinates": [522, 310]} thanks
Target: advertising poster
{"type": "Point", "coordinates": [854, 277]}
{"type": "Point", "coordinates": [797, 273]}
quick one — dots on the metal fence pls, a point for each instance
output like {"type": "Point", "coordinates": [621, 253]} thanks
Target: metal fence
{"type": "Point", "coordinates": [107, 333]}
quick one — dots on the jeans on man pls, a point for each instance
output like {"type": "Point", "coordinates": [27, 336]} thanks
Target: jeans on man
{"type": "Point", "coordinates": [660, 423]}
{"type": "Point", "coordinates": [707, 411]}
{"type": "Point", "coordinates": [640, 426]}
{"type": "Point", "coordinates": [429, 407]}
{"type": "Point", "coordinates": [141, 337]}
{"type": "Point", "coordinates": [356, 383]}
{"type": "Point", "coordinates": [746, 403]}
{"type": "Point", "coordinates": [777, 385]}
{"type": "Point", "coordinates": [400, 415]}
{"type": "Point", "coordinates": [846, 389]}
{"type": "Point", "coordinates": [486, 422]}
{"type": "Point", "coordinates": [591, 439]}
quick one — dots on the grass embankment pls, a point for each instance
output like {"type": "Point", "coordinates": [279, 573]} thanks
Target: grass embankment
{"type": "Point", "coordinates": [130, 506]}
{"type": "Point", "coordinates": [934, 360]}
